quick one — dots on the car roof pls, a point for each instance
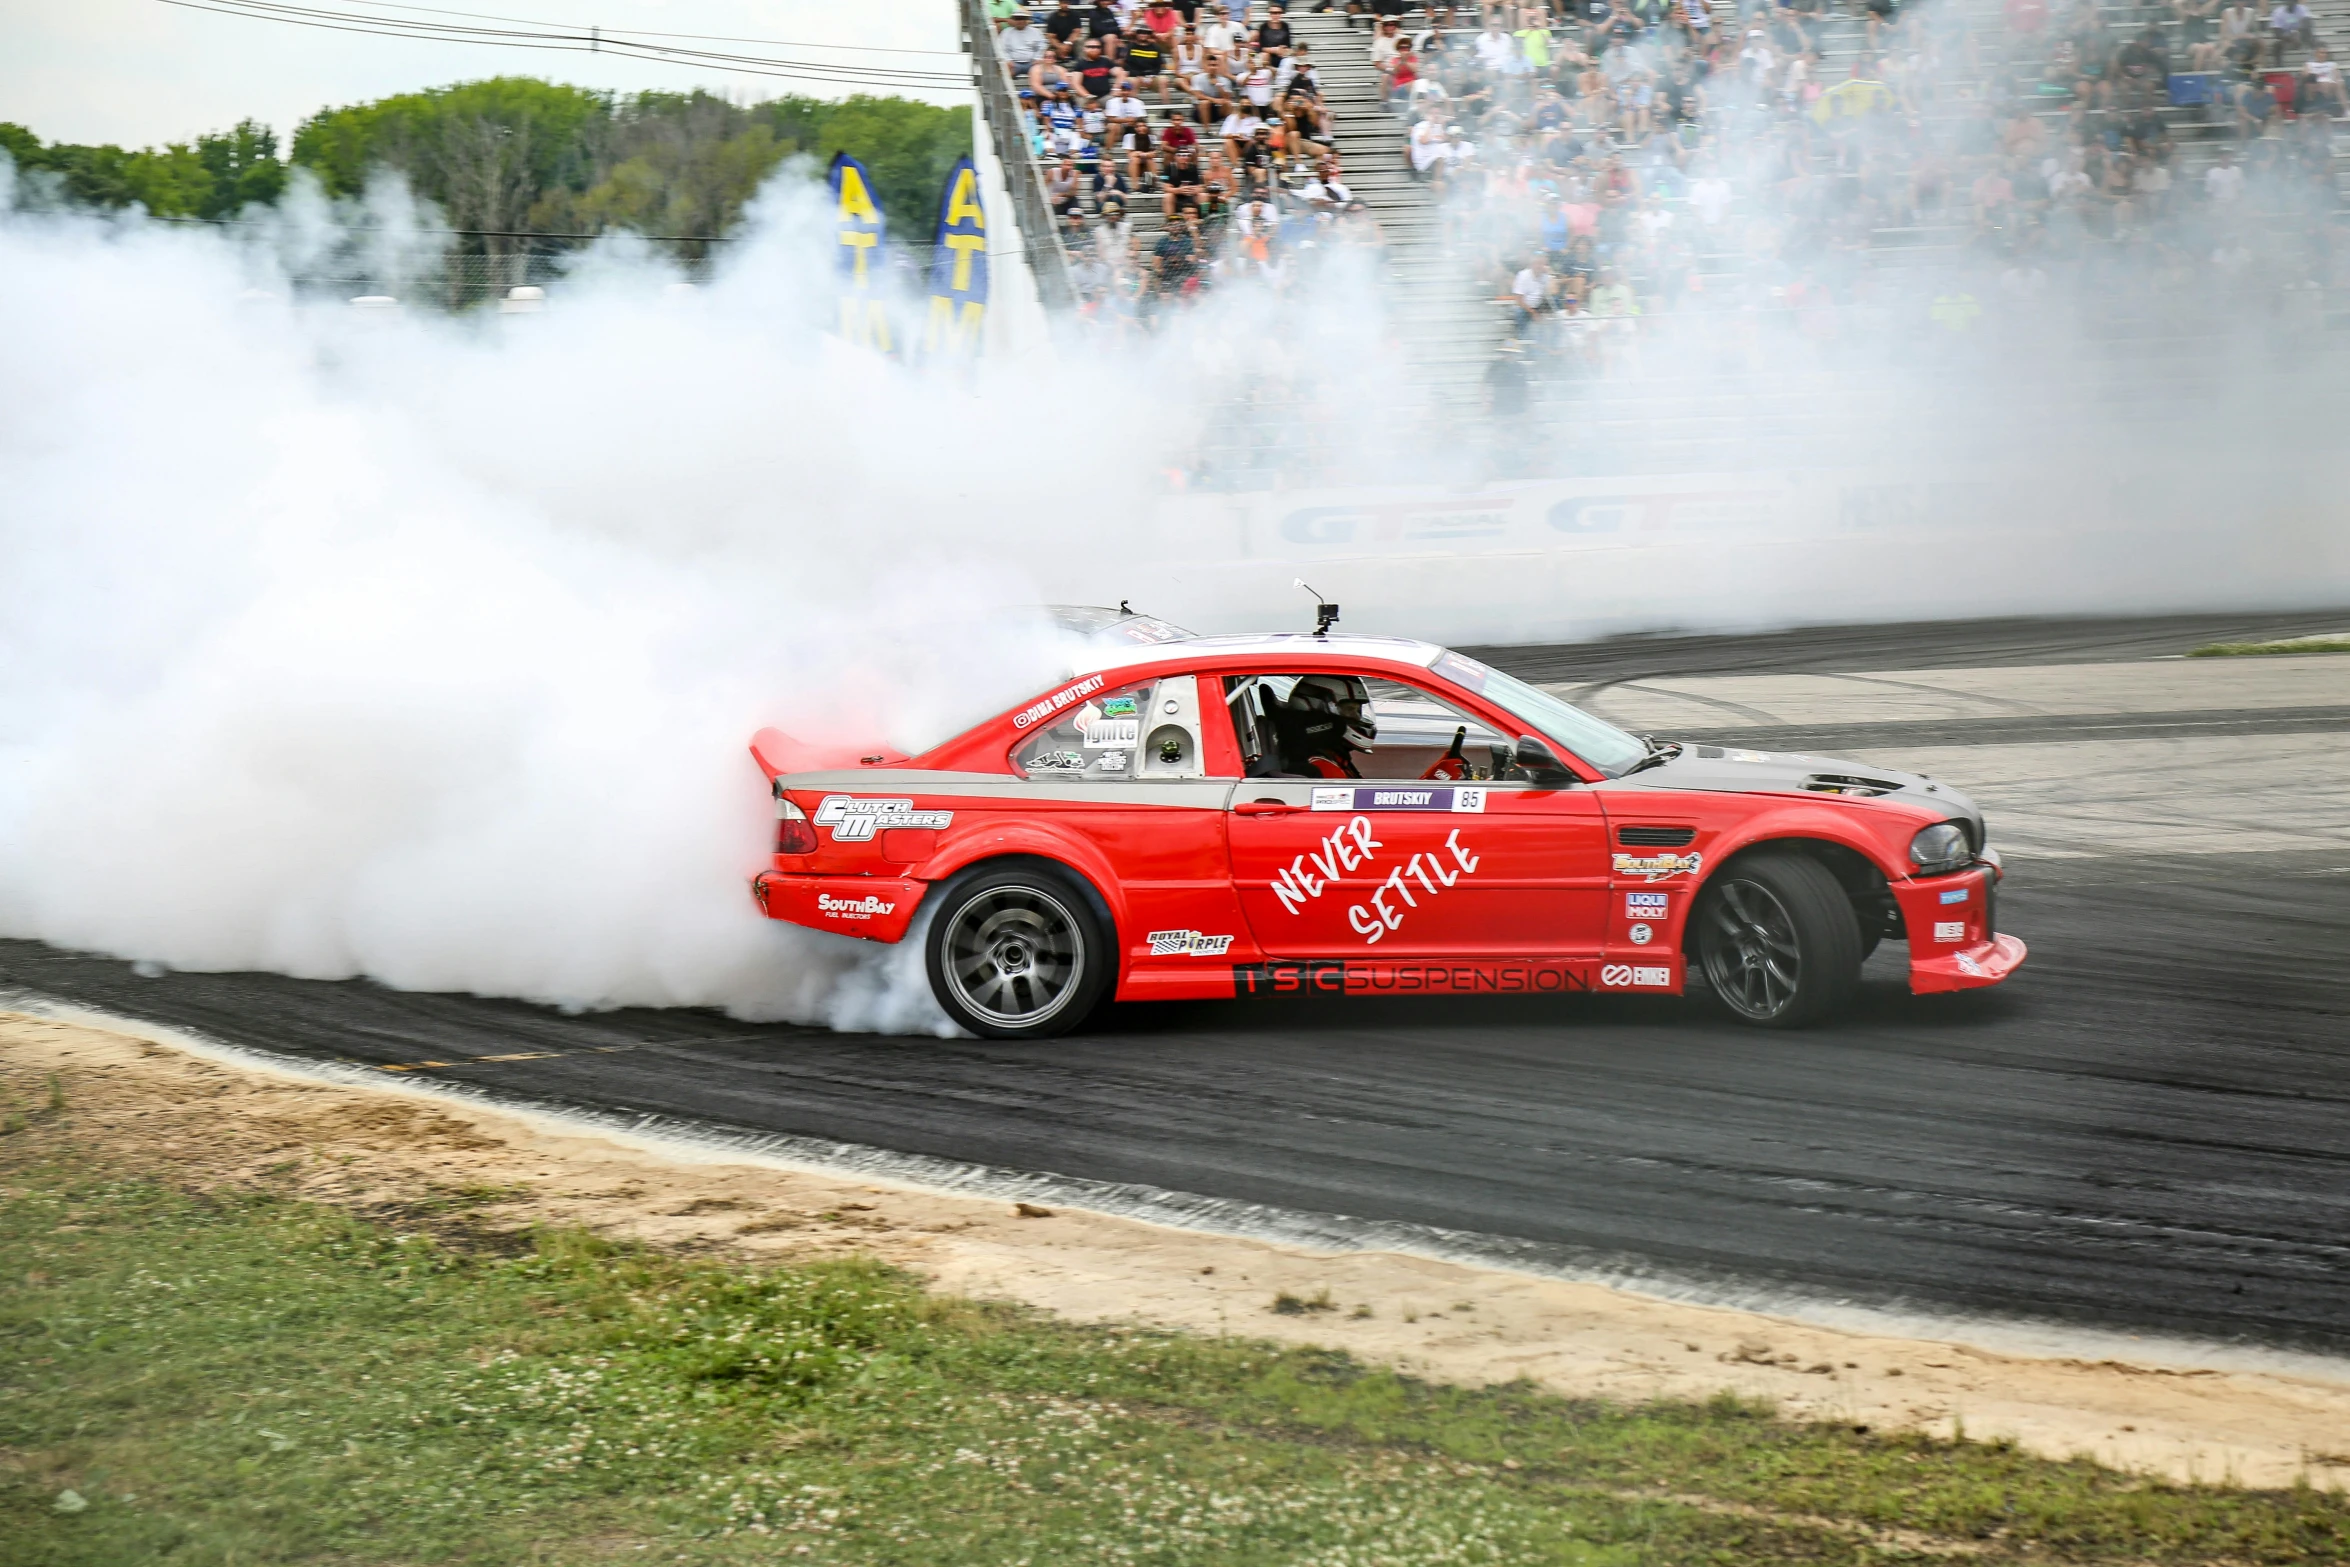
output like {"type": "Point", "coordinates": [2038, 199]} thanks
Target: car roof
{"type": "Point", "coordinates": [1280, 644]}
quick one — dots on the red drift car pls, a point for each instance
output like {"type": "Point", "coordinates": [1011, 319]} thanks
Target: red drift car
{"type": "Point", "coordinates": [1367, 816]}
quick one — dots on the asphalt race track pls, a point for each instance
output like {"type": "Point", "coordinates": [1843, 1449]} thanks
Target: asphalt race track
{"type": "Point", "coordinates": [2149, 1129]}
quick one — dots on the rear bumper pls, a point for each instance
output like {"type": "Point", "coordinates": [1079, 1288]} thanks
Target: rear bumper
{"type": "Point", "coordinates": [1952, 925]}
{"type": "Point", "coordinates": [878, 908]}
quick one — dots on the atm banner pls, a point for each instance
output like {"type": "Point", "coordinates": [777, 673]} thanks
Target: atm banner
{"type": "Point", "coordinates": [864, 313]}
{"type": "Point", "coordinates": [958, 272]}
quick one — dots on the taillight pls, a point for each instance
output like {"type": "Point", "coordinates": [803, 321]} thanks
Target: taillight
{"type": "Point", "coordinates": [793, 834]}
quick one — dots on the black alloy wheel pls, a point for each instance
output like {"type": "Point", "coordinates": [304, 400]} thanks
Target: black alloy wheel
{"type": "Point", "coordinates": [1018, 953]}
{"type": "Point", "coordinates": [1779, 941]}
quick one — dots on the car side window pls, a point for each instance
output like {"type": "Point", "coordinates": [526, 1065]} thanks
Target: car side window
{"type": "Point", "coordinates": [1149, 729]}
{"type": "Point", "coordinates": [1304, 726]}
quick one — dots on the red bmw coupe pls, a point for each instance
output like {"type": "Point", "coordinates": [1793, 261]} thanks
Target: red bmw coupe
{"type": "Point", "coordinates": [1339, 815]}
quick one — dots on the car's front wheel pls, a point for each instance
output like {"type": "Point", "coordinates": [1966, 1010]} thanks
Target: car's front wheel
{"type": "Point", "coordinates": [1018, 953]}
{"type": "Point", "coordinates": [1779, 941]}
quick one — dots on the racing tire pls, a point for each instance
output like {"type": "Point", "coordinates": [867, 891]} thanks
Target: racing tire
{"type": "Point", "coordinates": [1778, 940]}
{"type": "Point", "coordinates": [1019, 952]}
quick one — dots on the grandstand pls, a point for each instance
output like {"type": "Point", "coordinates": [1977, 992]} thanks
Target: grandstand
{"type": "Point", "coordinates": [1821, 230]}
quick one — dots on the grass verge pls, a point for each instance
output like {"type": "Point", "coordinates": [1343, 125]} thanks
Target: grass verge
{"type": "Point", "coordinates": [240, 1377]}
{"type": "Point", "coordinates": [2326, 644]}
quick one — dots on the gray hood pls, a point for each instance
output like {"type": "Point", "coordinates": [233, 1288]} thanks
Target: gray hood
{"type": "Point", "coordinates": [1728, 770]}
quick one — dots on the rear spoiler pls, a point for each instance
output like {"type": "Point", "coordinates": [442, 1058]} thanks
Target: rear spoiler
{"type": "Point", "coordinates": [779, 754]}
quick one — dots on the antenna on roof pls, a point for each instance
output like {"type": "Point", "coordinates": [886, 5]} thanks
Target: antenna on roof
{"type": "Point", "coordinates": [1325, 614]}
{"type": "Point", "coordinates": [1125, 608]}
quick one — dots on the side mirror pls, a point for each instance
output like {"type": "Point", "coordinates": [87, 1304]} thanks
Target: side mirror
{"type": "Point", "coordinates": [1540, 763]}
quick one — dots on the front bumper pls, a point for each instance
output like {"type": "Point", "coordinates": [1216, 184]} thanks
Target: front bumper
{"type": "Point", "coordinates": [878, 908]}
{"type": "Point", "coordinates": [1952, 924]}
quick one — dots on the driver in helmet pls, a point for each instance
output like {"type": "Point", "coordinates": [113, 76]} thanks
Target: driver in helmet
{"type": "Point", "coordinates": [1326, 720]}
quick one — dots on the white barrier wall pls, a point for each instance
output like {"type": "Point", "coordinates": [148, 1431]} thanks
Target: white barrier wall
{"type": "Point", "coordinates": [1572, 558]}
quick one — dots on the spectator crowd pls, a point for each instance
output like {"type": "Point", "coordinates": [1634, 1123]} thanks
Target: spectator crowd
{"type": "Point", "coordinates": [1623, 159]}
{"type": "Point", "coordinates": [1205, 121]}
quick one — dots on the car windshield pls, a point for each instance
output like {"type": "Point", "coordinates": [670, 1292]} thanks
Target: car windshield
{"type": "Point", "coordinates": [1595, 740]}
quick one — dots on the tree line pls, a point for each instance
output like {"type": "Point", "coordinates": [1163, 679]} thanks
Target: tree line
{"type": "Point", "coordinates": [516, 155]}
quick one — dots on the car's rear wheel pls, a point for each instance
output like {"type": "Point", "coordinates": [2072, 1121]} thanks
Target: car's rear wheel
{"type": "Point", "coordinates": [1018, 953]}
{"type": "Point", "coordinates": [1779, 941]}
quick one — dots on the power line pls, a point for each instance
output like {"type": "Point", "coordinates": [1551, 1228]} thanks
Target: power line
{"type": "Point", "coordinates": [647, 32]}
{"type": "Point", "coordinates": [573, 40]}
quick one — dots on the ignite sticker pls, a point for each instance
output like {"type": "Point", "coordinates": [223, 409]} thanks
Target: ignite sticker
{"type": "Point", "coordinates": [1122, 734]}
{"type": "Point", "coordinates": [1950, 930]}
{"type": "Point", "coordinates": [1956, 895]}
{"type": "Point", "coordinates": [851, 908]}
{"type": "Point", "coordinates": [1658, 867]}
{"type": "Point", "coordinates": [1641, 935]}
{"type": "Point", "coordinates": [853, 820]}
{"type": "Point", "coordinates": [1356, 977]}
{"type": "Point", "coordinates": [1395, 798]}
{"type": "Point", "coordinates": [1624, 976]}
{"type": "Point", "coordinates": [1187, 943]}
{"type": "Point", "coordinates": [1046, 707]}
{"type": "Point", "coordinates": [1646, 905]}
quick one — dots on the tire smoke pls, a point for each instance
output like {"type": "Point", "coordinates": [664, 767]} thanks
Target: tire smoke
{"type": "Point", "coordinates": [384, 643]}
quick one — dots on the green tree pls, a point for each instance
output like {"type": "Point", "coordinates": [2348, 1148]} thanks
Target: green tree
{"type": "Point", "coordinates": [170, 183]}
{"type": "Point", "coordinates": [244, 167]}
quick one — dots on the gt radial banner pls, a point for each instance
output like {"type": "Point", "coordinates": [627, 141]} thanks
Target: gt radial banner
{"type": "Point", "coordinates": [864, 312]}
{"type": "Point", "coordinates": [958, 272]}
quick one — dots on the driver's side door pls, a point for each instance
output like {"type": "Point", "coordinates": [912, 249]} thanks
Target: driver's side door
{"type": "Point", "coordinates": [1406, 867]}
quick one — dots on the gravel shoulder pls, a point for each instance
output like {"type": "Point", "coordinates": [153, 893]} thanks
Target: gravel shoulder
{"type": "Point", "coordinates": [208, 1121]}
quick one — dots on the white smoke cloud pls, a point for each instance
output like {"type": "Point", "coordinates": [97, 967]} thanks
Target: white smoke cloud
{"type": "Point", "coordinates": [425, 648]}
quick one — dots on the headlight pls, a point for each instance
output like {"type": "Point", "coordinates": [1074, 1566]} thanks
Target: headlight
{"type": "Point", "coordinates": [1941, 847]}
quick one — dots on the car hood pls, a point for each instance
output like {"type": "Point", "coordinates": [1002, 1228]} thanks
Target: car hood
{"type": "Point", "coordinates": [1728, 770]}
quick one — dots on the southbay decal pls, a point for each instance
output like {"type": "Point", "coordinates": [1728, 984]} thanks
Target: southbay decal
{"type": "Point", "coordinates": [1360, 977]}
{"type": "Point", "coordinates": [855, 820]}
{"type": "Point", "coordinates": [1391, 797]}
{"type": "Point", "coordinates": [851, 908]}
{"type": "Point", "coordinates": [1659, 867]}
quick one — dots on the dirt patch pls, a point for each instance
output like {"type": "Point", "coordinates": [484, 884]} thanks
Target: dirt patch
{"type": "Point", "coordinates": [487, 1173]}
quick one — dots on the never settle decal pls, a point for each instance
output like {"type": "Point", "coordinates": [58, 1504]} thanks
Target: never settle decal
{"type": "Point", "coordinates": [1355, 977]}
{"type": "Point", "coordinates": [1352, 845]}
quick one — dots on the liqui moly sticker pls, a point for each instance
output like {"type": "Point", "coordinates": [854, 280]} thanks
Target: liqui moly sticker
{"type": "Point", "coordinates": [1398, 797]}
{"type": "Point", "coordinates": [855, 820]}
{"type": "Point", "coordinates": [1646, 905]}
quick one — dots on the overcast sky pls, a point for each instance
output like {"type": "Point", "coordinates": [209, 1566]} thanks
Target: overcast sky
{"type": "Point", "coordinates": [142, 72]}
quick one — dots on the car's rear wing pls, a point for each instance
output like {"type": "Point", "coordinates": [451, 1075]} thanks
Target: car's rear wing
{"type": "Point", "coordinates": [779, 755]}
